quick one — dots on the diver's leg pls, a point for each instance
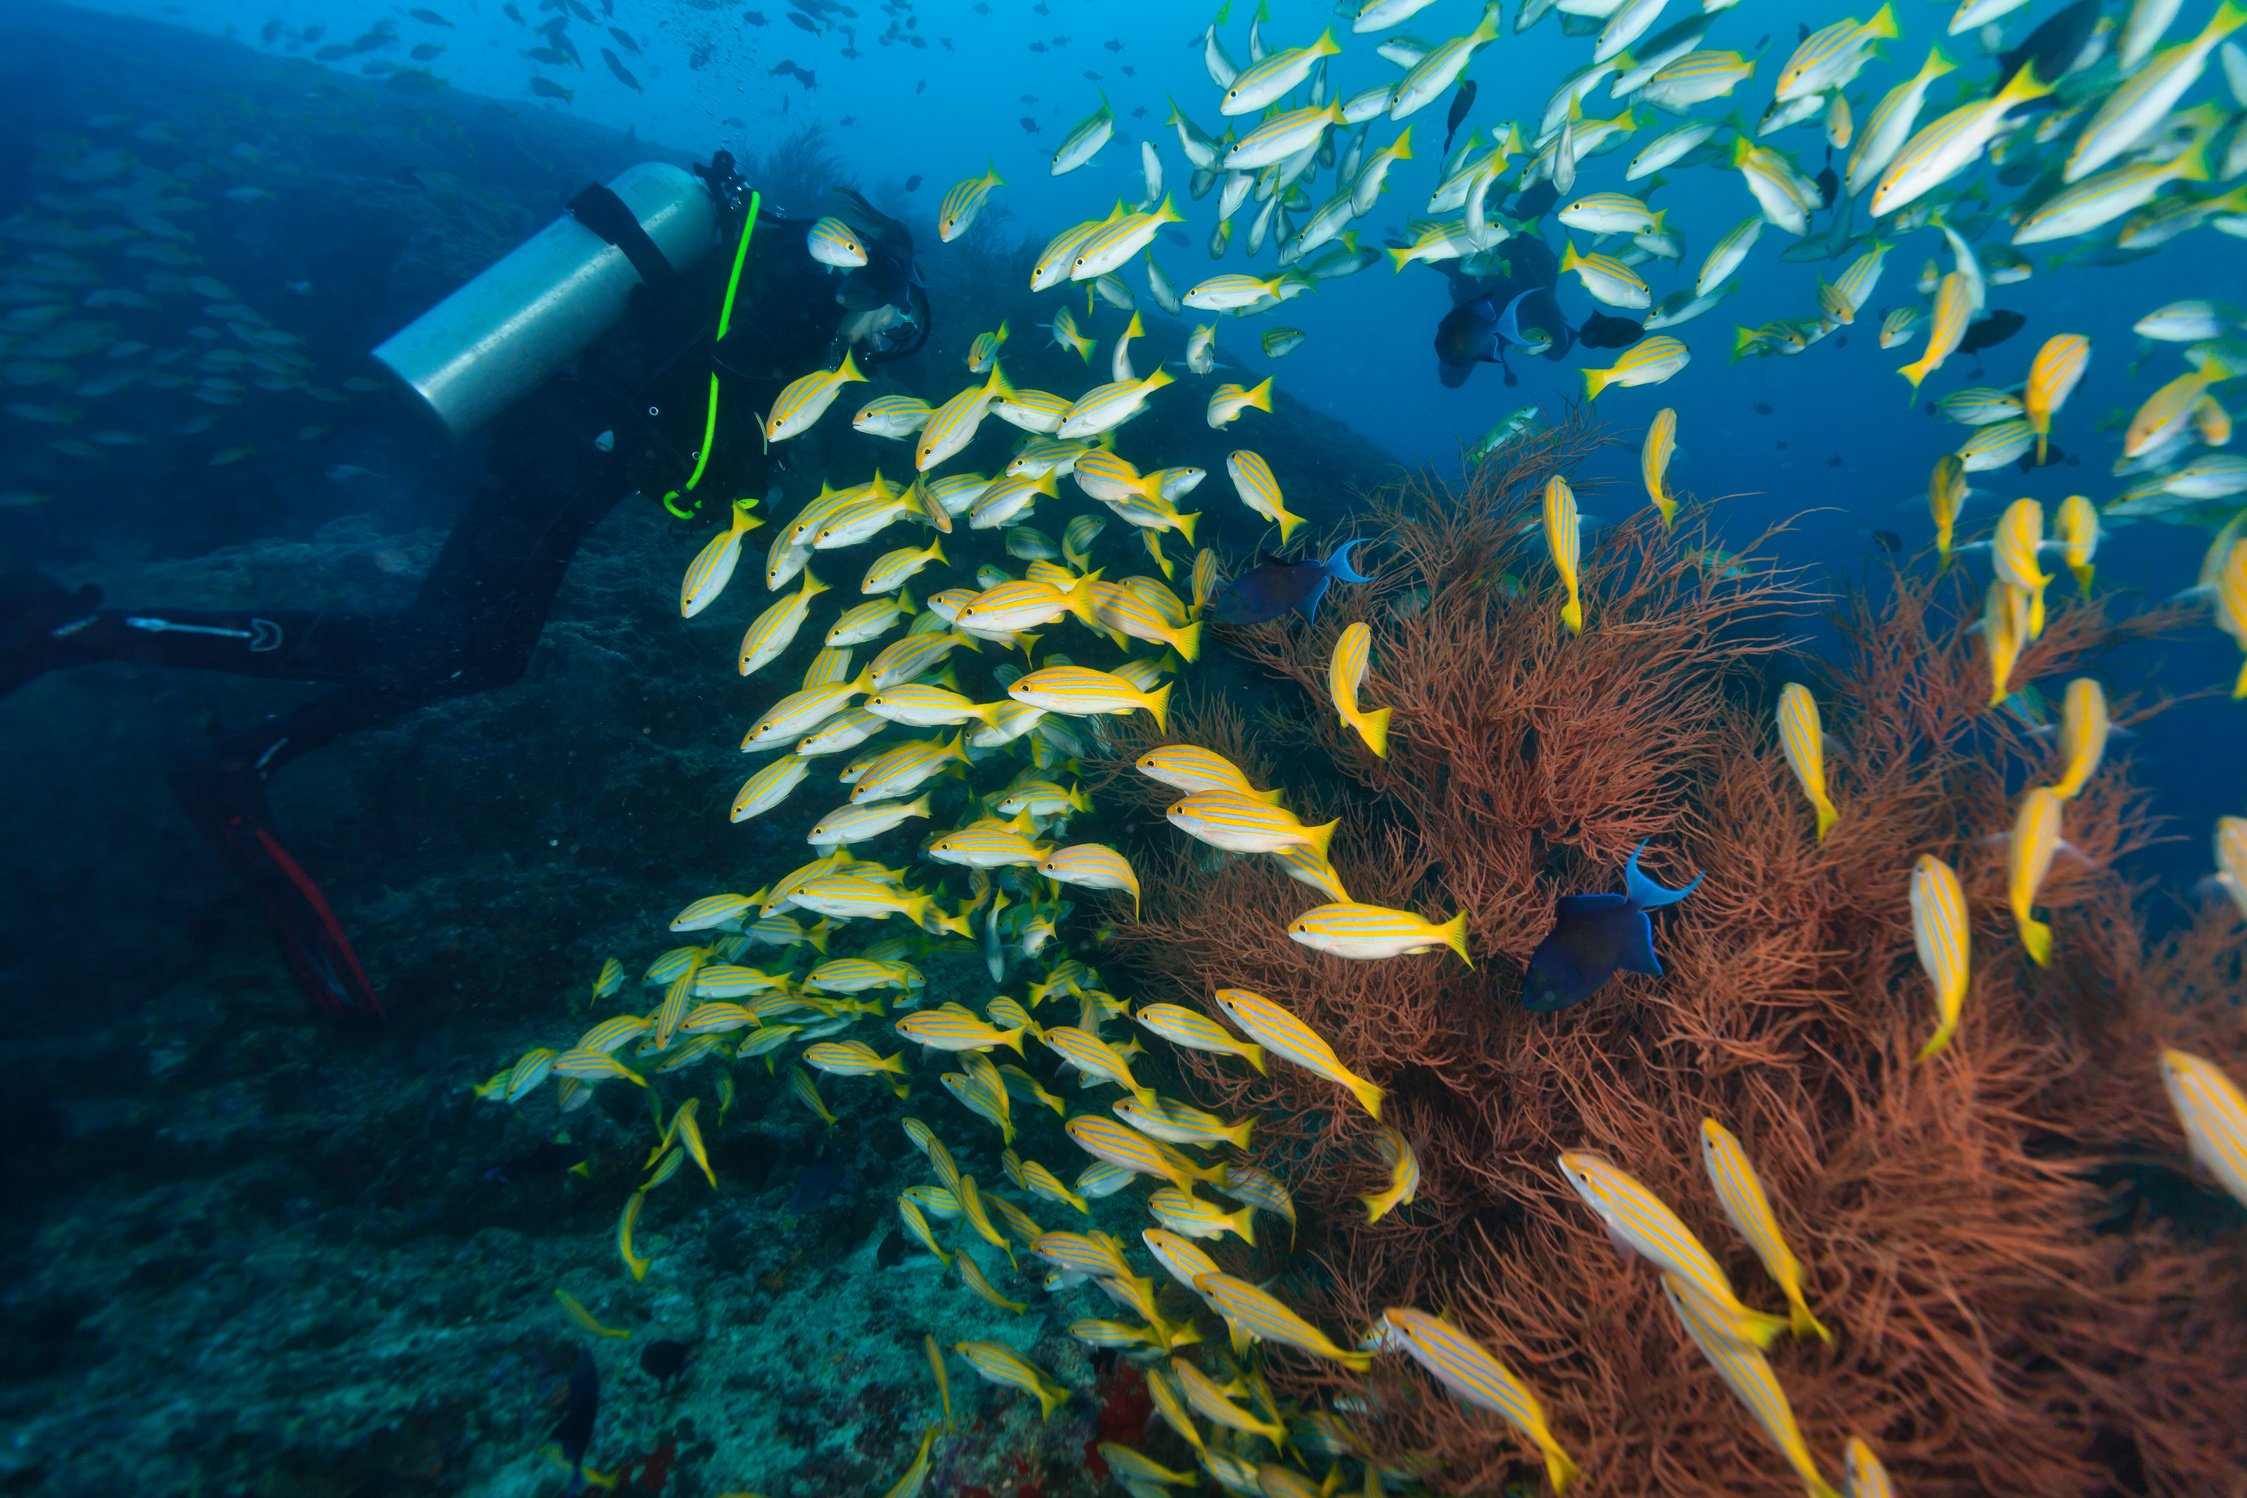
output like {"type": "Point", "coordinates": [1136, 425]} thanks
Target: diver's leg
{"type": "Point", "coordinates": [223, 794]}
{"type": "Point", "coordinates": [46, 627]}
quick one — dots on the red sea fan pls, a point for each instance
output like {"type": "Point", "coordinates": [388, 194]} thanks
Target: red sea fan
{"type": "Point", "coordinates": [2029, 1291]}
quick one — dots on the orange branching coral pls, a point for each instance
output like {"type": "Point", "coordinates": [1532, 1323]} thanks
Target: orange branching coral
{"type": "Point", "coordinates": [2029, 1291]}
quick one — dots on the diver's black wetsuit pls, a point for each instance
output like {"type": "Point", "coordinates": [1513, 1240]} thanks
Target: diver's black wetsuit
{"type": "Point", "coordinates": [627, 419]}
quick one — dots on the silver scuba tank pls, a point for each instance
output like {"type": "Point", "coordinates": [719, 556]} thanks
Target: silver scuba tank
{"type": "Point", "coordinates": [505, 333]}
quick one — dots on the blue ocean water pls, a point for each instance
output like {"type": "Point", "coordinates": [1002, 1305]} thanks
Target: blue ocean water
{"type": "Point", "coordinates": [218, 203]}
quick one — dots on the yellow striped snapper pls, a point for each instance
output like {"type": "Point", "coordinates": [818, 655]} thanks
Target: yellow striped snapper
{"type": "Point", "coordinates": [713, 911]}
{"type": "Point", "coordinates": [1696, 78]}
{"type": "Point", "coordinates": [2035, 843]}
{"type": "Point", "coordinates": [1890, 123]}
{"type": "Point", "coordinates": [1367, 932]}
{"type": "Point", "coordinates": [1187, 1214]}
{"type": "Point", "coordinates": [902, 768]}
{"type": "Point", "coordinates": [1428, 78]}
{"type": "Point", "coordinates": [1115, 243]}
{"type": "Point", "coordinates": [1197, 1032]}
{"type": "Point", "coordinates": [1344, 676]}
{"type": "Point", "coordinates": [2084, 727]}
{"type": "Point", "coordinates": [2053, 374]}
{"type": "Point", "coordinates": [1940, 151]}
{"type": "Point", "coordinates": [2213, 1112]}
{"type": "Point", "coordinates": [804, 400]}
{"type": "Point", "coordinates": [1085, 139]}
{"type": "Point", "coordinates": [1831, 55]}
{"type": "Point", "coordinates": [1867, 1478]}
{"type": "Point", "coordinates": [1038, 1180]}
{"type": "Point", "coordinates": [1404, 1175]}
{"type": "Point", "coordinates": [953, 425]}
{"type": "Point", "coordinates": [835, 243]}
{"type": "Point", "coordinates": [923, 706]}
{"type": "Point", "coordinates": [850, 897]}
{"type": "Point", "coordinates": [1669, 148]}
{"type": "Point", "coordinates": [1284, 1035]}
{"type": "Point", "coordinates": [712, 567]}
{"type": "Point", "coordinates": [984, 352]}
{"type": "Point", "coordinates": [1650, 361]}
{"type": "Point", "coordinates": [964, 202]}
{"type": "Point", "coordinates": [1979, 406]}
{"type": "Point", "coordinates": [796, 712]}
{"type": "Point", "coordinates": [1242, 824]}
{"type": "Point", "coordinates": [853, 1058]}
{"type": "Point", "coordinates": [1007, 498]}
{"type": "Point", "coordinates": [1086, 1053]}
{"type": "Point", "coordinates": [1275, 76]}
{"type": "Point", "coordinates": [1189, 766]}
{"type": "Point", "coordinates": [860, 975]}
{"type": "Point", "coordinates": [1259, 1316]}
{"type": "Point", "coordinates": [1473, 1374]}
{"type": "Point", "coordinates": [1228, 401]}
{"type": "Point", "coordinates": [1259, 490]}
{"type": "Point", "coordinates": [1943, 936]}
{"type": "Point", "coordinates": [905, 659]}
{"type": "Point", "coordinates": [1280, 137]}
{"type": "Point", "coordinates": [1728, 255]}
{"type": "Point", "coordinates": [1213, 1402]}
{"type": "Point", "coordinates": [1748, 1374]}
{"type": "Point", "coordinates": [1180, 1123]}
{"type": "Point", "coordinates": [2013, 549]}
{"type": "Point", "coordinates": [1802, 740]}
{"type": "Point", "coordinates": [1562, 539]}
{"type": "Point", "coordinates": [1094, 1255]}
{"type": "Point", "coordinates": [1109, 406]}
{"type": "Point", "coordinates": [2097, 201]}
{"type": "Point", "coordinates": [952, 1029]}
{"type": "Point", "coordinates": [988, 845]}
{"type": "Point", "coordinates": [892, 416]}
{"type": "Point", "coordinates": [1654, 462]}
{"type": "Point", "coordinates": [1946, 496]}
{"type": "Point", "coordinates": [1126, 1147]}
{"type": "Point", "coordinates": [1854, 287]}
{"type": "Point", "coordinates": [609, 981]}
{"type": "Point", "coordinates": [1749, 1208]}
{"type": "Point", "coordinates": [2005, 633]}
{"type": "Point", "coordinates": [1637, 1219]}
{"type": "Point", "coordinates": [1178, 1255]}
{"type": "Point", "coordinates": [1002, 1365]}
{"type": "Point", "coordinates": [2077, 528]}
{"type": "Point", "coordinates": [1239, 293]}
{"type": "Point", "coordinates": [1064, 330]}
{"type": "Point", "coordinates": [844, 731]}
{"type": "Point", "coordinates": [1775, 186]}
{"type": "Point", "coordinates": [1953, 307]}
{"type": "Point", "coordinates": [1080, 691]}
{"type": "Point", "coordinates": [1130, 611]}
{"type": "Point", "coordinates": [868, 622]}
{"type": "Point", "coordinates": [2135, 107]}
{"type": "Point", "coordinates": [774, 630]}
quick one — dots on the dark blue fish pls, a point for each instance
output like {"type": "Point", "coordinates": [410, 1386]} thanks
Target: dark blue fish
{"type": "Point", "coordinates": [1273, 587]}
{"type": "Point", "coordinates": [576, 1430]}
{"type": "Point", "coordinates": [1461, 102]}
{"type": "Point", "coordinates": [822, 1181]}
{"type": "Point", "coordinates": [1480, 330]}
{"type": "Point", "coordinates": [1595, 935]}
{"type": "Point", "coordinates": [1602, 330]}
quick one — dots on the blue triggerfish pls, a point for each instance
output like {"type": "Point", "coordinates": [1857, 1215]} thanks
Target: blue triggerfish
{"type": "Point", "coordinates": [576, 1430]}
{"type": "Point", "coordinates": [1273, 587]}
{"type": "Point", "coordinates": [1593, 936]}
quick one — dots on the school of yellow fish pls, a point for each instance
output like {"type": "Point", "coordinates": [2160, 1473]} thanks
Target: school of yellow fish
{"type": "Point", "coordinates": [809, 974]}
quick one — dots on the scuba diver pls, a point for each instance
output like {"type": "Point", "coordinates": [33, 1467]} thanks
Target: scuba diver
{"type": "Point", "coordinates": [624, 351]}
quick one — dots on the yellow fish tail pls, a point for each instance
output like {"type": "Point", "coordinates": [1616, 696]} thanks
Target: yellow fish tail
{"type": "Point", "coordinates": [1189, 639]}
{"type": "Point", "coordinates": [1369, 1096]}
{"type": "Point", "coordinates": [1596, 380]}
{"type": "Point", "coordinates": [1668, 508]}
{"type": "Point", "coordinates": [1937, 1042]}
{"type": "Point", "coordinates": [2082, 576]}
{"type": "Point", "coordinates": [1828, 814]}
{"type": "Point", "coordinates": [2239, 688]}
{"type": "Point", "coordinates": [1800, 1321]}
{"type": "Point", "coordinates": [1254, 1056]}
{"type": "Point", "coordinates": [1572, 615]}
{"type": "Point", "coordinates": [1559, 1470]}
{"type": "Point", "coordinates": [1373, 727]}
{"type": "Point", "coordinates": [1454, 934]}
{"type": "Point", "coordinates": [2036, 937]}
